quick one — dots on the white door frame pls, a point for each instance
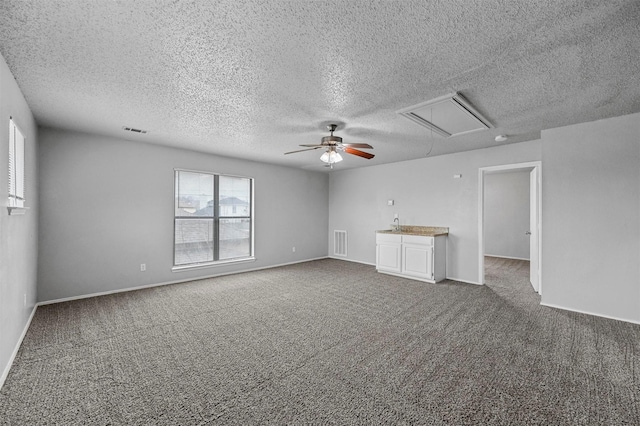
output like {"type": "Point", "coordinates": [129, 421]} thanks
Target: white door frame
{"type": "Point", "coordinates": [481, 172]}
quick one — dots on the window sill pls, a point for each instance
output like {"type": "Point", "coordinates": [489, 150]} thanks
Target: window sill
{"type": "Point", "coordinates": [212, 264]}
{"type": "Point", "coordinates": [15, 211]}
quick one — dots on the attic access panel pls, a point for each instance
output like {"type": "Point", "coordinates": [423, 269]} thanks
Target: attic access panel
{"type": "Point", "coordinates": [447, 116]}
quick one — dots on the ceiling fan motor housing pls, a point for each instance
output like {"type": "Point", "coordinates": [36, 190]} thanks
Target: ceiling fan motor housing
{"type": "Point", "coordinates": [331, 140]}
{"type": "Point", "coordinates": [334, 143]}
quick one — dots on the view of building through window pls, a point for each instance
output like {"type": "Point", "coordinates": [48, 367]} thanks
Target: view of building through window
{"type": "Point", "coordinates": [213, 218]}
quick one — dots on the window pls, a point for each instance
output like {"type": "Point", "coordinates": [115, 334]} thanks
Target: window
{"type": "Point", "coordinates": [213, 220]}
{"type": "Point", "coordinates": [16, 166]}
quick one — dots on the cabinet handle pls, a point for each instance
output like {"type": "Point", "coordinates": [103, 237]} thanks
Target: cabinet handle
{"type": "Point", "coordinates": [527, 233]}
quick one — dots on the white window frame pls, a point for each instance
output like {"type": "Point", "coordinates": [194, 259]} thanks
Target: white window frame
{"type": "Point", "coordinates": [249, 258]}
{"type": "Point", "coordinates": [17, 175]}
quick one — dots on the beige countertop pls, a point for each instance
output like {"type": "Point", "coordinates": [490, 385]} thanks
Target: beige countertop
{"type": "Point", "coordinates": [424, 231]}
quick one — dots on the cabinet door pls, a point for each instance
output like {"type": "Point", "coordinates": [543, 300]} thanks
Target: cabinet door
{"type": "Point", "coordinates": [388, 257]}
{"type": "Point", "coordinates": [417, 260]}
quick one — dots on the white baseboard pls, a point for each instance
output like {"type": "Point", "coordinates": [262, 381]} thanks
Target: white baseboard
{"type": "Point", "coordinates": [402, 276]}
{"type": "Point", "coordinates": [550, 305]}
{"type": "Point", "coordinates": [351, 260]}
{"type": "Point", "coordinates": [407, 277]}
{"type": "Point", "coordinates": [463, 281]}
{"type": "Point", "coordinates": [122, 290]}
{"type": "Point", "coordinates": [507, 257]}
{"type": "Point", "coordinates": [5, 372]}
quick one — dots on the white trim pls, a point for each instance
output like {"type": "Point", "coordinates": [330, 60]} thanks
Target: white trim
{"type": "Point", "coordinates": [17, 172]}
{"type": "Point", "coordinates": [212, 264]}
{"type": "Point", "coordinates": [5, 373]}
{"type": "Point", "coordinates": [507, 257]}
{"type": "Point", "coordinates": [122, 290]}
{"type": "Point", "coordinates": [503, 167]}
{"type": "Point", "coordinates": [408, 277]}
{"type": "Point", "coordinates": [15, 211]}
{"type": "Point", "coordinates": [351, 260]}
{"type": "Point", "coordinates": [211, 173]}
{"type": "Point", "coordinates": [514, 166]}
{"type": "Point", "coordinates": [550, 305]}
{"type": "Point", "coordinates": [429, 281]}
{"type": "Point", "coordinates": [463, 281]}
{"type": "Point", "coordinates": [481, 225]}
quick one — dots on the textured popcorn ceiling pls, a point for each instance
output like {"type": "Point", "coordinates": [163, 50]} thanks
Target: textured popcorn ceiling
{"type": "Point", "coordinates": [253, 79]}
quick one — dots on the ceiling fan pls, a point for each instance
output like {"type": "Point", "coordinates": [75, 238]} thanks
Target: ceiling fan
{"type": "Point", "coordinates": [333, 144]}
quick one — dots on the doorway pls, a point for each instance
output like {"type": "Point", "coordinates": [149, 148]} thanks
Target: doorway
{"type": "Point", "coordinates": [533, 169]}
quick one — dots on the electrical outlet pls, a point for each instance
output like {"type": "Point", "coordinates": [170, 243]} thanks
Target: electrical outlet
{"type": "Point", "coordinates": [143, 267]}
{"type": "Point", "coordinates": [293, 249]}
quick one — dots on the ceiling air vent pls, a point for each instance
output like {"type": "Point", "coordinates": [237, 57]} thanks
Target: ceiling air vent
{"type": "Point", "coordinates": [132, 130]}
{"type": "Point", "coordinates": [447, 116]}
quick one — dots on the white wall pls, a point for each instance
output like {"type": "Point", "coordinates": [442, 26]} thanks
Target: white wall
{"type": "Point", "coordinates": [18, 234]}
{"type": "Point", "coordinates": [107, 206]}
{"type": "Point", "coordinates": [506, 214]}
{"type": "Point", "coordinates": [425, 193]}
{"type": "Point", "coordinates": [591, 211]}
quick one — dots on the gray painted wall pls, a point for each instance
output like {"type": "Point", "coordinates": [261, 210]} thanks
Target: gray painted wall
{"type": "Point", "coordinates": [425, 193]}
{"type": "Point", "coordinates": [590, 217]}
{"type": "Point", "coordinates": [506, 214]}
{"type": "Point", "coordinates": [107, 206]}
{"type": "Point", "coordinates": [18, 234]}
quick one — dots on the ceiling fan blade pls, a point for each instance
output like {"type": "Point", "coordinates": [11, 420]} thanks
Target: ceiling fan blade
{"type": "Point", "coordinates": [300, 150]}
{"type": "Point", "coordinates": [358, 145]}
{"type": "Point", "coordinates": [316, 145]}
{"type": "Point", "coordinates": [357, 152]}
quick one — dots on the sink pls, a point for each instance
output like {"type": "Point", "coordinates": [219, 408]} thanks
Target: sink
{"type": "Point", "coordinates": [391, 231]}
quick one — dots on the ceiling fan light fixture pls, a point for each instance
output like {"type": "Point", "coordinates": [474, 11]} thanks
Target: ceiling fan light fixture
{"type": "Point", "coordinates": [331, 157]}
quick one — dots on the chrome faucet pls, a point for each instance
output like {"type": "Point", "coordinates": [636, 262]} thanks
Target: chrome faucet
{"type": "Point", "coordinates": [398, 224]}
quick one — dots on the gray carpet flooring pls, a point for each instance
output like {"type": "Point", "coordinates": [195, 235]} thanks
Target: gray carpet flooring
{"type": "Point", "coordinates": [325, 342]}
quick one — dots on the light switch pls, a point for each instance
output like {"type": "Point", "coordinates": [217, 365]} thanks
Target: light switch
{"type": "Point", "coordinates": [389, 202]}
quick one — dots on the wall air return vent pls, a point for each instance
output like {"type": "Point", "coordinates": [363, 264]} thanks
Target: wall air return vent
{"type": "Point", "coordinates": [447, 116]}
{"type": "Point", "coordinates": [340, 243]}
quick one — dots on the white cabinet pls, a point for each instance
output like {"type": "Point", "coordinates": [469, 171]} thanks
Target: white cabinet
{"type": "Point", "coordinates": [417, 260]}
{"type": "Point", "coordinates": [388, 252]}
{"type": "Point", "coordinates": [412, 256]}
